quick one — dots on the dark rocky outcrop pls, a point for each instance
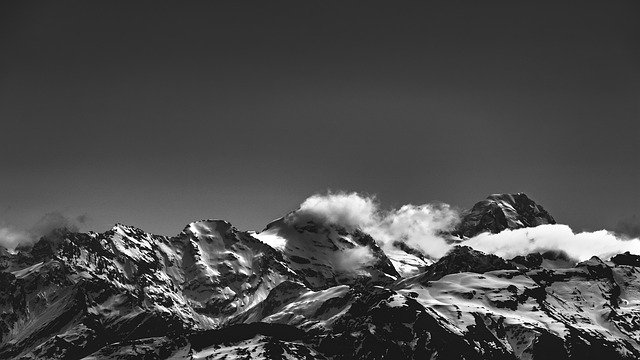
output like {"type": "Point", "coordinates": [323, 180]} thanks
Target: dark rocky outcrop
{"type": "Point", "coordinates": [463, 259]}
{"type": "Point", "coordinates": [531, 261]}
{"type": "Point", "coordinates": [502, 211]}
{"type": "Point", "coordinates": [626, 259]}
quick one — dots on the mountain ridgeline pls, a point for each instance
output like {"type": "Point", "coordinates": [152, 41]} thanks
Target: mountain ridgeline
{"type": "Point", "coordinates": [300, 290]}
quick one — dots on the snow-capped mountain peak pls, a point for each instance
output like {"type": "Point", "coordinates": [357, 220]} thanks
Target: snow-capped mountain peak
{"type": "Point", "coordinates": [313, 290]}
{"type": "Point", "coordinates": [502, 211]}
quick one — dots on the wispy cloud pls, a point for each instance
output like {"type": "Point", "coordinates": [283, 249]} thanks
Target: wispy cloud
{"type": "Point", "coordinates": [10, 237]}
{"type": "Point", "coordinates": [581, 246]}
{"type": "Point", "coordinates": [47, 225]}
{"type": "Point", "coordinates": [417, 225]}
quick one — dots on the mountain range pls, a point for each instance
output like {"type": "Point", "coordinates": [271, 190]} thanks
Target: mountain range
{"type": "Point", "coordinates": [305, 289]}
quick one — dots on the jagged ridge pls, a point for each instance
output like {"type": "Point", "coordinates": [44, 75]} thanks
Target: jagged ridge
{"type": "Point", "coordinates": [214, 291]}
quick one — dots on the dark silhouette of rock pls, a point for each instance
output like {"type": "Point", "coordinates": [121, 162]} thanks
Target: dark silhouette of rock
{"type": "Point", "coordinates": [626, 259]}
{"type": "Point", "coordinates": [530, 261]}
{"type": "Point", "coordinates": [464, 259]}
{"type": "Point", "coordinates": [502, 211]}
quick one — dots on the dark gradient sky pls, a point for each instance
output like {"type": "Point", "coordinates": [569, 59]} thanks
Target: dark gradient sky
{"type": "Point", "coordinates": [159, 114]}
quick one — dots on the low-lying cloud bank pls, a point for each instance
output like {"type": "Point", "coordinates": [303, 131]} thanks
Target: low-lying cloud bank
{"type": "Point", "coordinates": [581, 246]}
{"type": "Point", "coordinates": [422, 227]}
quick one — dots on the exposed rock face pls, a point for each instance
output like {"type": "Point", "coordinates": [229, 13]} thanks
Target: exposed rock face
{"type": "Point", "coordinates": [301, 291]}
{"type": "Point", "coordinates": [550, 259]}
{"type": "Point", "coordinates": [502, 211]}
{"type": "Point", "coordinates": [530, 261]}
{"type": "Point", "coordinates": [626, 259]}
{"type": "Point", "coordinates": [462, 259]}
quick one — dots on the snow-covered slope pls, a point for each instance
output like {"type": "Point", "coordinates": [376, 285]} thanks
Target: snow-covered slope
{"type": "Point", "coordinates": [406, 260]}
{"type": "Point", "coordinates": [311, 291]}
{"type": "Point", "coordinates": [125, 284]}
{"type": "Point", "coordinates": [328, 255]}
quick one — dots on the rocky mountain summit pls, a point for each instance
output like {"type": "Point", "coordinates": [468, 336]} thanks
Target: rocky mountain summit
{"type": "Point", "coordinates": [502, 211]}
{"type": "Point", "coordinates": [301, 290]}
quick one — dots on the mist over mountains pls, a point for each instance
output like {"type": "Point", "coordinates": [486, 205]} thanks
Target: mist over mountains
{"type": "Point", "coordinates": [338, 278]}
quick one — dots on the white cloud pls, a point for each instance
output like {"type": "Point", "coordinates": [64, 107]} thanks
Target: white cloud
{"type": "Point", "coordinates": [349, 210]}
{"type": "Point", "coordinates": [581, 246]}
{"type": "Point", "coordinates": [421, 227]}
{"type": "Point", "coordinates": [417, 225]}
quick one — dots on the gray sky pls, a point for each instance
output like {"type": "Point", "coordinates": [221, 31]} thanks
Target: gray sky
{"type": "Point", "coordinates": [159, 114]}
